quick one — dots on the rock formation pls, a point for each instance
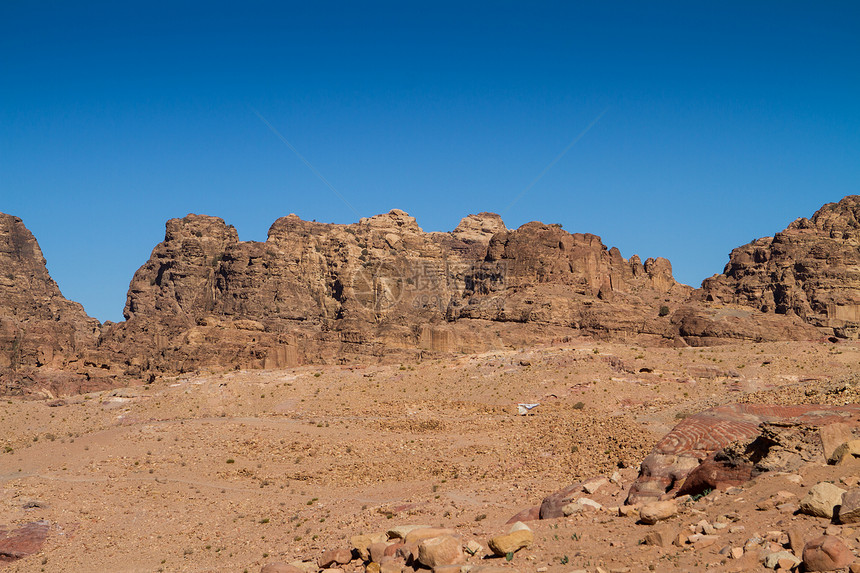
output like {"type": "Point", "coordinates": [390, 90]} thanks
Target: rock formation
{"type": "Point", "coordinates": [39, 328]}
{"type": "Point", "coordinates": [666, 470]}
{"type": "Point", "coordinates": [315, 292]}
{"type": "Point", "coordinates": [384, 288]}
{"type": "Point", "coordinates": [810, 270]}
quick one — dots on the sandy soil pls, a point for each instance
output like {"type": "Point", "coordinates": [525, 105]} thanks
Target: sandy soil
{"type": "Point", "coordinates": [229, 471]}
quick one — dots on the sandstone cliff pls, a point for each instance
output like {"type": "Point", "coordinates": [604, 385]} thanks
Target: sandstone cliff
{"type": "Point", "coordinates": [382, 288]}
{"type": "Point", "coordinates": [315, 292]}
{"type": "Point", "coordinates": [810, 270]}
{"type": "Point", "coordinates": [39, 328]}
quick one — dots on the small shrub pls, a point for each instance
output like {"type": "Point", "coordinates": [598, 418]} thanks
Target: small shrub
{"type": "Point", "coordinates": [664, 311]}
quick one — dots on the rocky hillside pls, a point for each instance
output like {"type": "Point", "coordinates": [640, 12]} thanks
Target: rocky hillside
{"type": "Point", "coordinates": [810, 270]}
{"type": "Point", "coordinates": [382, 288]}
{"type": "Point", "coordinates": [39, 328]}
{"type": "Point", "coordinates": [317, 292]}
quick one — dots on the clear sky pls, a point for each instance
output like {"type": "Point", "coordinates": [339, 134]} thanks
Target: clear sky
{"type": "Point", "coordinates": [711, 123]}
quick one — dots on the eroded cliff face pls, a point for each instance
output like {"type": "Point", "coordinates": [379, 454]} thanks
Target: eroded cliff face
{"type": "Point", "coordinates": [810, 270]}
{"type": "Point", "coordinates": [39, 328]}
{"type": "Point", "coordinates": [380, 287]}
{"type": "Point", "coordinates": [383, 289]}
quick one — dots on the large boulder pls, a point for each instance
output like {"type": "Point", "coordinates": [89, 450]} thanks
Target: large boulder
{"type": "Point", "coordinates": [763, 438]}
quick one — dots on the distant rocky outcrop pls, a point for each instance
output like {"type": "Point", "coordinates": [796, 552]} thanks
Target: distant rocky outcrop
{"type": "Point", "coordinates": [39, 328]}
{"type": "Point", "coordinates": [383, 288]}
{"type": "Point", "coordinates": [810, 270]}
{"type": "Point", "coordinates": [315, 292]}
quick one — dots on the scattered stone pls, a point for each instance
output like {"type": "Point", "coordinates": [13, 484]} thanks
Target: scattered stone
{"type": "Point", "coordinates": [781, 560]}
{"type": "Point", "coordinates": [580, 505]}
{"type": "Point", "coordinates": [590, 486]}
{"type": "Point", "coordinates": [655, 538]}
{"type": "Point", "coordinates": [306, 566]}
{"type": "Point", "coordinates": [362, 543]}
{"type": "Point", "coordinates": [795, 540]}
{"type": "Point", "coordinates": [826, 553]}
{"type": "Point", "coordinates": [441, 550]}
{"type": "Point", "coordinates": [401, 531]}
{"type": "Point", "coordinates": [511, 542]}
{"type": "Point", "coordinates": [448, 569]}
{"type": "Point", "coordinates": [821, 499]}
{"type": "Point", "coordinates": [417, 535]}
{"type": "Point", "coordinates": [473, 547]}
{"type": "Point", "coordinates": [551, 506]}
{"type": "Point", "coordinates": [628, 511]}
{"type": "Point", "coordinates": [737, 552]}
{"type": "Point", "coordinates": [700, 540]}
{"type": "Point", "coordinates": [377, 551]}
{"type": "Point", "coordinates": [331, 557]}
{"type": "Point", "coordinates": [833, 530]}
{"type": "Point", "coordinates": [704, 527]}
{"type": "Point", "coordinates": [849, 510]}
{"type": "Point", "coordinates": [655, 511]}
{"type": "Point", "coordinates": [850, 481]}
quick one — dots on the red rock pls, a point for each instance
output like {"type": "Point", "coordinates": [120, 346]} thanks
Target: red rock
{"type": "Point", "coordinates": [529, 514]}
{"type": "Point", "coordinates": [826, 553]}
{"type": "Point", "coordinates": [849, 510]}
{"type": "Point", "coordinates": [23, 541]}
{"type": "Point", "coordinates": [377, 551]}
{"type": "Point", "coordinates": [696, 437]}
{"type": "Point", "coordinates": [551, 506]}
{"type": "Point", "coordinates": [331, 557]}
{"type": "Point", "coordinates": [716, 474]}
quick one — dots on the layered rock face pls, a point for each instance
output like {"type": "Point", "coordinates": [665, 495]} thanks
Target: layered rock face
{"type": "Point", "coordinates": [382, 287]}
{"type": "Point", "coordinates": [38, 326]}
{"type": "Point", "coordinates": [47, 326]}
{"type": "Point", "coordinates": [810, 270]}
{"type": "Point", "coordinates": [322, 292]}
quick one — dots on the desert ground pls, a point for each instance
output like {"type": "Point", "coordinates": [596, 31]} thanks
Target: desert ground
{"type": "Point", "coordinates": [229, 471]}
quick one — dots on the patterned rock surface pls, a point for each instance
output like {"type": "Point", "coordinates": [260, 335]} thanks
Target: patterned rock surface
{"type": "Point", "coordinates": [22, 541]}
{"type": "Point", "coordinates": [665, 469]}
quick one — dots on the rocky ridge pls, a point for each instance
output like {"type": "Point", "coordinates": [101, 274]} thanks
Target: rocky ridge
{"type": "Point", "coordinates": [382, 288]}
{"type": "Point", "coordinates": [810, 270]}
{"type": "Point", "coordinates": [42, 334]}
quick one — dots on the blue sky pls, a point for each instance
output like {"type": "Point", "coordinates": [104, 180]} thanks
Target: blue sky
{"type": "Point", "coordinates": [721, 121]}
